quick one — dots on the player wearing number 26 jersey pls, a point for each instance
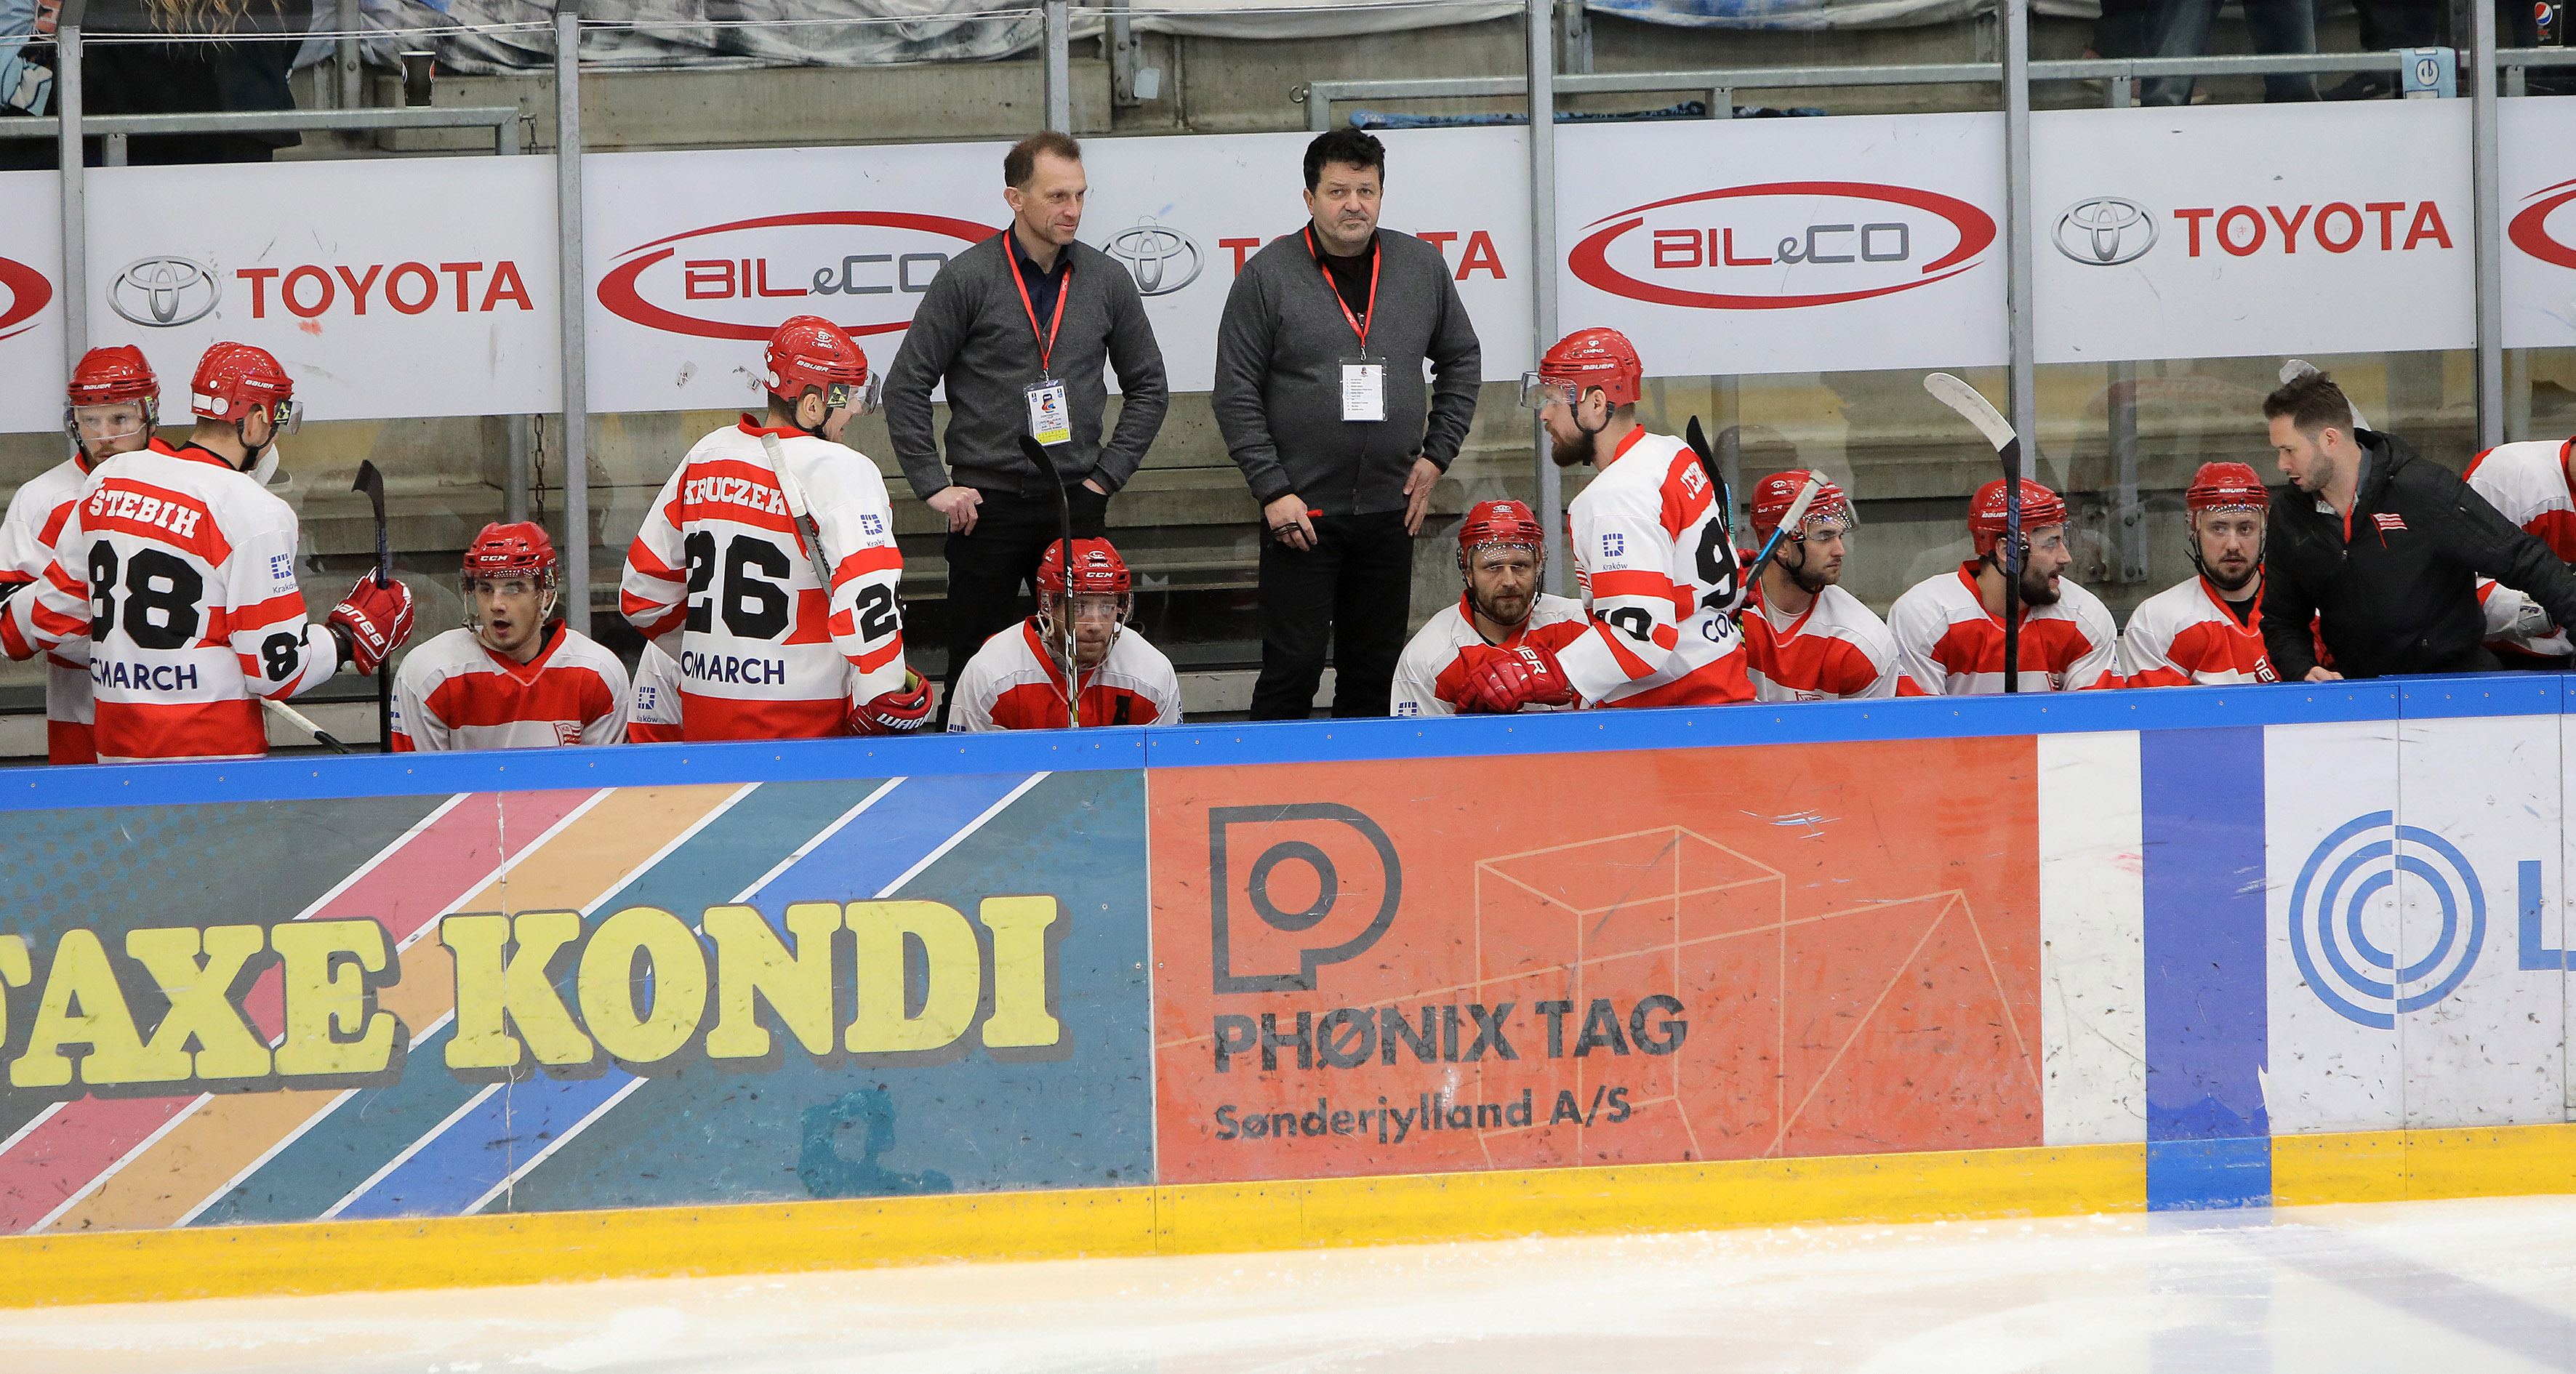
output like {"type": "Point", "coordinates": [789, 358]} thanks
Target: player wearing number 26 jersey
{"type": "Point", "coordinates": [767, 567]}
{"type": "Point", "coordinates": [179, 567]}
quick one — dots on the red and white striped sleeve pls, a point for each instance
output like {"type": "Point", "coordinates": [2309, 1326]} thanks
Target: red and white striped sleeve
{"type": "Point", "coordinates": [282, 654]}
{"type": "Point", "coordinates": [856, 521]}
{"type": "Point", "coordinates": [654, 593]}
{"type": "Point", "coordinates": [1627, 556]}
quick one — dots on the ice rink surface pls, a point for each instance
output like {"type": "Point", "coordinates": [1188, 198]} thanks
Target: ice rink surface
{"type": "Point", "coordinates": [2484, 1286]}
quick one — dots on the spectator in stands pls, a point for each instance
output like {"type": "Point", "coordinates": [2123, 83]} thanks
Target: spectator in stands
{"type": "Point", "coordinates": [26, 82]}
{"type": "Point", "coordinates": [1320, 396]}
{"type": "Point", "coordinates": [2383, 549]}
{"type": "Point", "coordinates": [1019, 327]}
{"type": "Point", "coordinates": [246, 71]}
{"type": "Point", "coordinates": [2180, 28]}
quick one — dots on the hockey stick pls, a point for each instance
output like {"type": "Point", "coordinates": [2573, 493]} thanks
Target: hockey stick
{"type": "Point", "coordinates": [1796, 515]}
{"type": "Point", "coordinates": [1037, 454]}
{"type": "Point", "coordinates": [305, 723]}
{"type": "Point", "coordinates": [1715, 464]}
{"type": "Point", "coordinates": [1977, 410]}
{"type": "Point", "coordinates": [372, 482]}
{"type": "Point", "coordinates": [798, 512]}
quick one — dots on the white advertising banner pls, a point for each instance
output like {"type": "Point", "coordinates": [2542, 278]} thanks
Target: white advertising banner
{"type": "Point", "coordinates": [2532, 137]}
{"type": "Point", "coordinates": [371, 282]}
{"type": "Point", "coordinates": [2239, 230]}
{"type": "Point", "coordinates": [1787, 245]}
{"type": "Point", "coordinates": [694, 257]}
{"type": "Point", "coordinates": [31, 320]}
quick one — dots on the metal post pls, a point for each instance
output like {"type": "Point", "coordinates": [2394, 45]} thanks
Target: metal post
{"type": "Point", "coordinates": [1542, 200]}
{"type": "Point", "coordinates": [2489, 256]}
{"type": "Point", "coordinates": [572, 291]}
{"type": "Point", "coordinates": [2022, 333]}
{"type": "Point", "coordinates": [67, 104]}
{"type": "Point", "coordinates": [1059, 66]}
{"type": "Point", "coordinates": [345, 59]}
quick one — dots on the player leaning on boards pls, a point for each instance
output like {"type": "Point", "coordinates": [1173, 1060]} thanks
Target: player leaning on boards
{"type": "Point", "coordinates": [1019, 327]}
{"type": "Point", "coordinates": [2383, 549]}
{"type": "Point", "coordinates": [1319, 393]}
{"type": "Point", "coordinates": [1502, 554]}
{"type": "Point", "coordinates": [1650, 548]}
{"type": "Point", "coordinates": [185, 582]}
{"type": "Point", "coordinates": [112, 406]}
{"type": "Point", "coordinates": [1805, 638]}
{"type": "Point", "coordinates": [1949, 629]}
{"type": "Point", "coordinates": [512, 676]}
{"type": "Point", "coordinates": [768, 568]}
{"type": "Point", "coordinates": [2208, 630]}
{"type": "Point", "coordinates": [1019, 679]}
{"type": "Point", "coordinates": [2528, 484]}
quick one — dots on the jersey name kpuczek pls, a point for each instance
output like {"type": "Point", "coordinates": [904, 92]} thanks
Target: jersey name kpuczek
{"type": "Point", "coordinates": [1836, 650]}
{"type": "Point", "coordinates": [453, 693]}
{"type": "Point", "coordinates": [1948, 644]}
{"type": "Point", "coordinates": [1431, 672]}
{"type": "Point", "coordinates": [181, 572]}
{"type": "Point", "coordinates": [1013, 684]}
{"type": "Point", "coordinates": [764, 649]}
{"type": "Point", "coordinates": [2185, 634]}
{"type": "Point", "coordinates": [1652, 553]}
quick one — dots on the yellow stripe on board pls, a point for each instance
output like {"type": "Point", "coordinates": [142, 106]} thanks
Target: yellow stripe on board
{"type": "Point", "coordinates": [2393, 1166]}
{"type": "Point", "coordinates": [483, 1251]}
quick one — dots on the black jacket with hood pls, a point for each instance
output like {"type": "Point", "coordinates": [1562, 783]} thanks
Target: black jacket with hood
{"type": "Point", "coordinates": [2393, 587]}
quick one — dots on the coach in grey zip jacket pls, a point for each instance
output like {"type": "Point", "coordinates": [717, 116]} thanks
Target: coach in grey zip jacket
{"type": "Point", "coordinates": [1338, 568]}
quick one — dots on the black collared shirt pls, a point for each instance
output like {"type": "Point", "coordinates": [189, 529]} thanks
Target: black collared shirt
{"type": "Point", "coordinates": [1043, 286]}
{"type": "Point", "coordinates": [1350, 275]}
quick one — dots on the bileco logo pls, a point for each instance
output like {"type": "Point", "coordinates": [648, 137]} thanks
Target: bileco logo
{"type": "Point", "coordinates": [1782, 245]}
{"type": "Point", "coordinates": [864, 270]}
{"type": "Point", "coordinates": [26, 292]}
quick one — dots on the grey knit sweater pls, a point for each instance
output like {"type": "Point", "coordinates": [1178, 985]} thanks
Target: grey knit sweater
{"type": "Point", "coordinates": [972, 332]}
{"type": "Point", "coordinates": [1279, 349]}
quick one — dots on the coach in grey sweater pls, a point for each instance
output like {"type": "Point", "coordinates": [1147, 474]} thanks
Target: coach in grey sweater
{"type": "Point", "coordinates": [1342, 495]}
{"type": "Point", "coordinates": [1025, 303]}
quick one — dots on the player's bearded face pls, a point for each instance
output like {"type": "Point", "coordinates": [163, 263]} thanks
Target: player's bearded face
{"type": "Point", "coordinates": [1502, 582]}
{"type": "Point", "coordinates": [1818, 558]}
{"type": "Point", "coordinates": [2302, 456]}
{"type": "Point", "coordinates": [109, 429]}
{"type": "Point", "coordinates": [508, 613]}
{"type": "Point", "coordinates": [2048, 559]}
{"type": "Point", "coordinates": [2230, 542]}
{"type": "Point", "coordinates": [1568, 441]}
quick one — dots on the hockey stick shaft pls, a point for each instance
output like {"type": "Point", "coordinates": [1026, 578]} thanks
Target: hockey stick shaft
{"type": "Point", "coordinates": [305, 723]}
{"type": "Point", "coordinates": [372, 482]}
{"type": "Point", "coordinates": [1036, 453]}
{"type": "Point", "coordinates": [1977, 410]}
{"type": "Point", "coordinates": [1797, 514]}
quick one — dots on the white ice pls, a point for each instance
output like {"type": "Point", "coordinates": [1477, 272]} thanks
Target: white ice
{"type": "Point", "coordinates": [2465, 1287]}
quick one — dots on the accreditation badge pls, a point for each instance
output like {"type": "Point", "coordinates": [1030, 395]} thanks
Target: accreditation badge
{"type": "Point", "coordinates": [1050, 419]}
{"type": "Point", "coordinates": [1363, 389]}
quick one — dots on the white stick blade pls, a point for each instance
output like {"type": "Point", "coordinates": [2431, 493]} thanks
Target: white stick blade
{"type": "Point", "coordinates": [1971, 405]}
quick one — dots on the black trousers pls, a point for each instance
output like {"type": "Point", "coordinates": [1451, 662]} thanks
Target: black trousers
{"type": "Point", "coordinates": [987, 567]}
{"type": "Point", "coordinates": [1355, 588]}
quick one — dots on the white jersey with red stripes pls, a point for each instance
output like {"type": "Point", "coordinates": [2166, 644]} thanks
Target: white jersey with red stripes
{"type": "Point", "coordinates": [1949, 644]}
{"type": "Point", "coordinates": [181, 571]}
{"type": "Point", "coordinates": [1835, 650]}
{"type": "Point", "coordinates": [1433, 669]}
{"type": "Point", "coordinates": [653, 708]}
{"type": "Point", "coordinates": [27, 534]}
{"type": "Point", "coordinates": [453, 693]}
{"type": "Point", "coordinates": [1652, 553]}
{"type": "Point", "coordinates": [1012, 683]}
{"type": "Point", "coordinates": [765, 650]}
{"type": "Point", "coordinates": [2528, 483]}
{"type": "Point", "coordinates": [2188, 634]}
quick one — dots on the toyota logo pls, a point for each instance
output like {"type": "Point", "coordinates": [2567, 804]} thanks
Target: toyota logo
{"type": "Point", "coordinates": [1161, 258]}
{"type": "Point", "coordinates": [2105, 231]}
{"type": "Point", "coordinates": [164, 293]}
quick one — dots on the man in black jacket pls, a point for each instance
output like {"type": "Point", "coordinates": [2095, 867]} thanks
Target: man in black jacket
{"type": "Point", "coordinates": [2382, 549]}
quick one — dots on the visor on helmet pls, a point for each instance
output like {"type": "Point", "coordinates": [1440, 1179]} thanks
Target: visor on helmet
{"type": "Point", "coordinates": [287, 415]}
{"type": "Point", "coordinates": [109, 429]}
{"type": "Point", "coordinates": [856, 398]}
{"type": "Point", "coordinates": [1539, 391]}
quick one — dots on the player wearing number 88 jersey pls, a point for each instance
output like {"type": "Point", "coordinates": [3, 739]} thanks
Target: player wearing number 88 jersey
{"type": "Point", "coordinates": [767, 567]}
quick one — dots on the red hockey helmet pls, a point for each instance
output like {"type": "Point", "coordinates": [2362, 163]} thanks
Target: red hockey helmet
{"type": "Point", "coordinates": [2226, 486]}
{"type": "Point", "coordinates": [810, 351]}
{"type": "Point", "coordinates": [118, 376]}
{"type": "Point", "coordinates": [502, 552]}
{"type": "Point", "coordinates": [1097, 569]}
{"type": "Point", "coordinates": [1986, 514]}
{"type": "Point", "coordinates": [234, 377]}
{"type": "Point", "coordinates": [1773, 495]}
{"type": "Point", "coordinates": [1501, 522]}
{"type": "Point", "coordinates": [1580, 361]}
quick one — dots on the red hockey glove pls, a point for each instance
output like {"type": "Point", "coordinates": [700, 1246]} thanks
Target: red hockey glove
{"type": "Point", "coordinates": [377, 619]}
{"type": "Point", "coordinates": [893, 713]}
{"type": "Point", "coordinates": [1501, 681]}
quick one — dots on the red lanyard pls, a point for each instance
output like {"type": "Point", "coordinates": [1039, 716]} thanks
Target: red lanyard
{"type": "Point", "coordinates": [1360, 321]}
{"type": "Point", "coordinates": [1046, 338]}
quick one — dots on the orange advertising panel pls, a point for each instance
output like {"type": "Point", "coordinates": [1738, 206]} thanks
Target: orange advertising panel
{"type": "Point", "coordinates": [1434, 964]}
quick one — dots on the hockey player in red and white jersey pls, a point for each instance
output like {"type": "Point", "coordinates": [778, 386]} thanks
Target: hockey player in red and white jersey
{"type": "Point", "coordinates": [1018, 680]}
{"type": "Point", "coordinates": [179, 567]}
{"type": "Point", "coordinates": [113, 406]}
{"type": "Point", "coordinates": [2208, 630]}
{"type": "Point", "coordinates": [1805, 637]}
{"type": "Point", "coordinates": [1650, 549]}
{"type": "Point", "coordinates": [2529, 484]}
{"type": "Point", "coordinates": [768, 567]}
{"type": "Point", "coordinates": [653, 709]}
{"type": "Point", "coordinates": [512, 676]}
{"type": "Point", "coordinates": [1502, 553]}
{"type": "Point", "coordinates": [1949, 629]}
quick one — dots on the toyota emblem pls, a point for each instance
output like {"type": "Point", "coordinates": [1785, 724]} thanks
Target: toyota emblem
{"type": "Point", "coordinates": [2105, 231]}
{"type": "Point", "coordinates": [1161, 258]}
{"type": "Point", "coordinates": [164, 293]}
